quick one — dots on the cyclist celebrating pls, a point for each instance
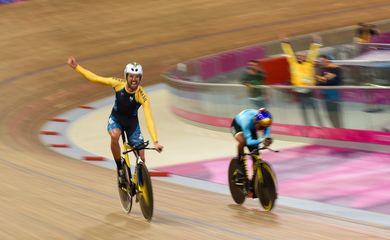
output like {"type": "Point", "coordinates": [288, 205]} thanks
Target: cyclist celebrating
{"type": "Point", "coordinates": [244, 128]}
{"type": "Point", "coordinates": [129, 96]}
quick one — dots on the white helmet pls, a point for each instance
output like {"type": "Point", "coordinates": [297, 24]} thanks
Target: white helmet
{"type": "Point", "coordinates": [133, 68]}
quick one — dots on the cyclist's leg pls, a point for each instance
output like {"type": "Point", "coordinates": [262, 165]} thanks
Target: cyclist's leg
{"type": "Point", "coordinates": [135, 138]}
{"type": "Point", "coordinates": [237, 133]}
{"type": "Point", "coordinates": [115, 130]}
{"type": "Point", "coordinates": [142, 155]}
{"type": "Point", "coordinates": [241, 144]}
{"type": "Point", "coordinates": [251, 148]}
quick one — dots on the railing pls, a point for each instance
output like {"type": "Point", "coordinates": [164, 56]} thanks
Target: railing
{"type": "Point", "coordinates": [365, 108]}
{"type": "Point", "coordinates": [350, 108]}
{"type": "Point", "coordinates": [214, 69]}
{"type": "Point", "coordinates": [207, 90]}
{"type": "Point", "coordinates": [207, 68]}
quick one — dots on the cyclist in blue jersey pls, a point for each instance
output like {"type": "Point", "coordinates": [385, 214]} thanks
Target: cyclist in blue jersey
{"type": "Point", "coordinates": [245, 126]}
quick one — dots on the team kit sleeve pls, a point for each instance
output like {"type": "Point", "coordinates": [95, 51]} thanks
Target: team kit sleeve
{"type": "Point", "coordinates": [144, 100]}
{"type": "Point", "coordinates": [109, 81]}
{"type": "Point", "coordinates": [313, 52]}
{"type": "Point", "coordinates": [248, 137]}
{"type": "Point", "coordinates": [267, 132]}
{"type": "Point", "coordinates": [288, 50]}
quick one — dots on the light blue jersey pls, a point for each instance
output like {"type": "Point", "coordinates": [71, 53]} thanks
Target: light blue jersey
{"type": "Point", "coordinates": [245, 120]}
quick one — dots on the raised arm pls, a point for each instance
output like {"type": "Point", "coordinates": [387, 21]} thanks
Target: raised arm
{"type": "Point", "coordinates": [314, 48]}
{"type": "Point", "coordinates": [113, 82]}
{"type": "Point", "coordinates": [313, 52]}
{"type": "Point", "coordinates": [288, 50]}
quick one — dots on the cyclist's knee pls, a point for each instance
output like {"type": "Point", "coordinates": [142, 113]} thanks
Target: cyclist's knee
{"type": "Point", "coordinates": [115, 135]}
{"type": "Point", "coordinates": [240, 139]}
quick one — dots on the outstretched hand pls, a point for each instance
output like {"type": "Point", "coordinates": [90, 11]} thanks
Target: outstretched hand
{"type": "Point", "coordinates": [283, 38]}
{"type": "Point", "coordinates": [72, 62]}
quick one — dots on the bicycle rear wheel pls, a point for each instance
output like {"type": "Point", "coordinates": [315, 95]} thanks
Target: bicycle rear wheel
{"type": "Point", "coordinates": [237, 191]}
{"type": "Point", "coordinates": [265, 187]}
{"type": "Point", "coordinates": [125, 193]}
{"type": "Point", "coordinates": [145, 192]}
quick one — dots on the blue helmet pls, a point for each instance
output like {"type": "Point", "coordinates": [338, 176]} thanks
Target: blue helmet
{"type": "Point", "coordinates": [264, 117]}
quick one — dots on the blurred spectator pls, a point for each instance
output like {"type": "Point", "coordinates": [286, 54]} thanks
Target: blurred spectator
{"type": "Point", "coordinates": [365, 32]}
{"type": "Point", "coordinates": [302, 70]}
{"type": "Point", "coordinates": [381, 38]}
{"type": "Point", "coordinates": [254, 76]}
{"type": "Point", "coordinates": [329, 74]}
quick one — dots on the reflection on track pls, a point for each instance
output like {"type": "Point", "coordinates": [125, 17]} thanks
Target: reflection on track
{"type": "Point", "coordinates": [135, 220]}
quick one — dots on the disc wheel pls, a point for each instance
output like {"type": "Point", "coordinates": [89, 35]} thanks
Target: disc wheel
{"type": "Point", "coordinates": [145, 192]}
{"type": "Point", "coordinates": [266, 187]}
{"type": "Point", "coordinates": [237, 191]}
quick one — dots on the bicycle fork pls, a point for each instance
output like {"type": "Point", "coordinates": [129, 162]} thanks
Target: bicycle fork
{"type": "Point", "coordinates": [138, 179]}
{"type": "Point", "coordinates": [138, 174]}
{"type": "Point", "coordinates": [257, 173]}
{"type": "Point", "coordinates": [239, 175]}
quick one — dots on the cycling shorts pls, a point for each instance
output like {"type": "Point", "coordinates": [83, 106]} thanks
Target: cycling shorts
{"type": "Point", "coordinates": [134, 137]}
{"type": "Point", "coordinates": [235, 128]}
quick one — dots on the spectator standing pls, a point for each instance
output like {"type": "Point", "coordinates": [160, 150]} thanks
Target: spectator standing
{"type": "Point", "coordinates": [254, 76]}
{"type": "Point", "coordinates": [365, 32]}
{"type": "Point", "coordinates": [302, 70]}
{"type": "Point", "coordinates": [329, 74]}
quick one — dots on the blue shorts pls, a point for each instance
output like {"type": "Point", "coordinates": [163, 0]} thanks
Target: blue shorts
{"type": "Point", "coordinates": [134, 137]}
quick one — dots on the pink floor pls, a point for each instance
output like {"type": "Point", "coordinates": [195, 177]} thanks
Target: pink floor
{"type": "Point", "coordinates": [345, 177]}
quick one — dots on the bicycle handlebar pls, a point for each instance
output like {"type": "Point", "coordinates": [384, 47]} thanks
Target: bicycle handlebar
{"type": "Point", "coordinates": [140, 147]}
{"type": "Point", "coordinates": [261, 148]}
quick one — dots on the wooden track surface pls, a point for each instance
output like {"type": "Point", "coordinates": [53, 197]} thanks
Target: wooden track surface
{"type": "Point", "coordinates": [47, 196]}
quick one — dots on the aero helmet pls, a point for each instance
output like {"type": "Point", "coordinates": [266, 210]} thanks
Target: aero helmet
{"type": "Point", "coordinates": [133, 68]}
{"type": "Point", "coordinates": [264, 117]}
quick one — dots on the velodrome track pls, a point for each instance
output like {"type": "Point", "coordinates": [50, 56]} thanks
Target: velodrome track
{"type": "Point", "coordinates": [45, 195]}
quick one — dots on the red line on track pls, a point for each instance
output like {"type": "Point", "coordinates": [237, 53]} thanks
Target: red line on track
{"type": "Point", "coordinates": [93, 158]}
{"type": "Point", "coordinates": [50, 133]}
{"type": "Point", "coordinates": [59, 145]}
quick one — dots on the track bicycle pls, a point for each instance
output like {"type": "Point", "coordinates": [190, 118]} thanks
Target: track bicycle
{"type": "Point", "coordinates": [263, 182]}
{"type": "Point", "coordinates": [138, 185]}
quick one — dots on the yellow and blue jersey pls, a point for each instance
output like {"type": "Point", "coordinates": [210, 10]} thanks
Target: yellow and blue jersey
{"type": "Point", "coordinates": [126, 105]}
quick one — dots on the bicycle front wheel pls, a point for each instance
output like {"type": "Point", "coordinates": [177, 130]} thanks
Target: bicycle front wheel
{"type": "Point", "coordinates": [265, 186]}
{"type": "Point", "coordinates": [145, 192]}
